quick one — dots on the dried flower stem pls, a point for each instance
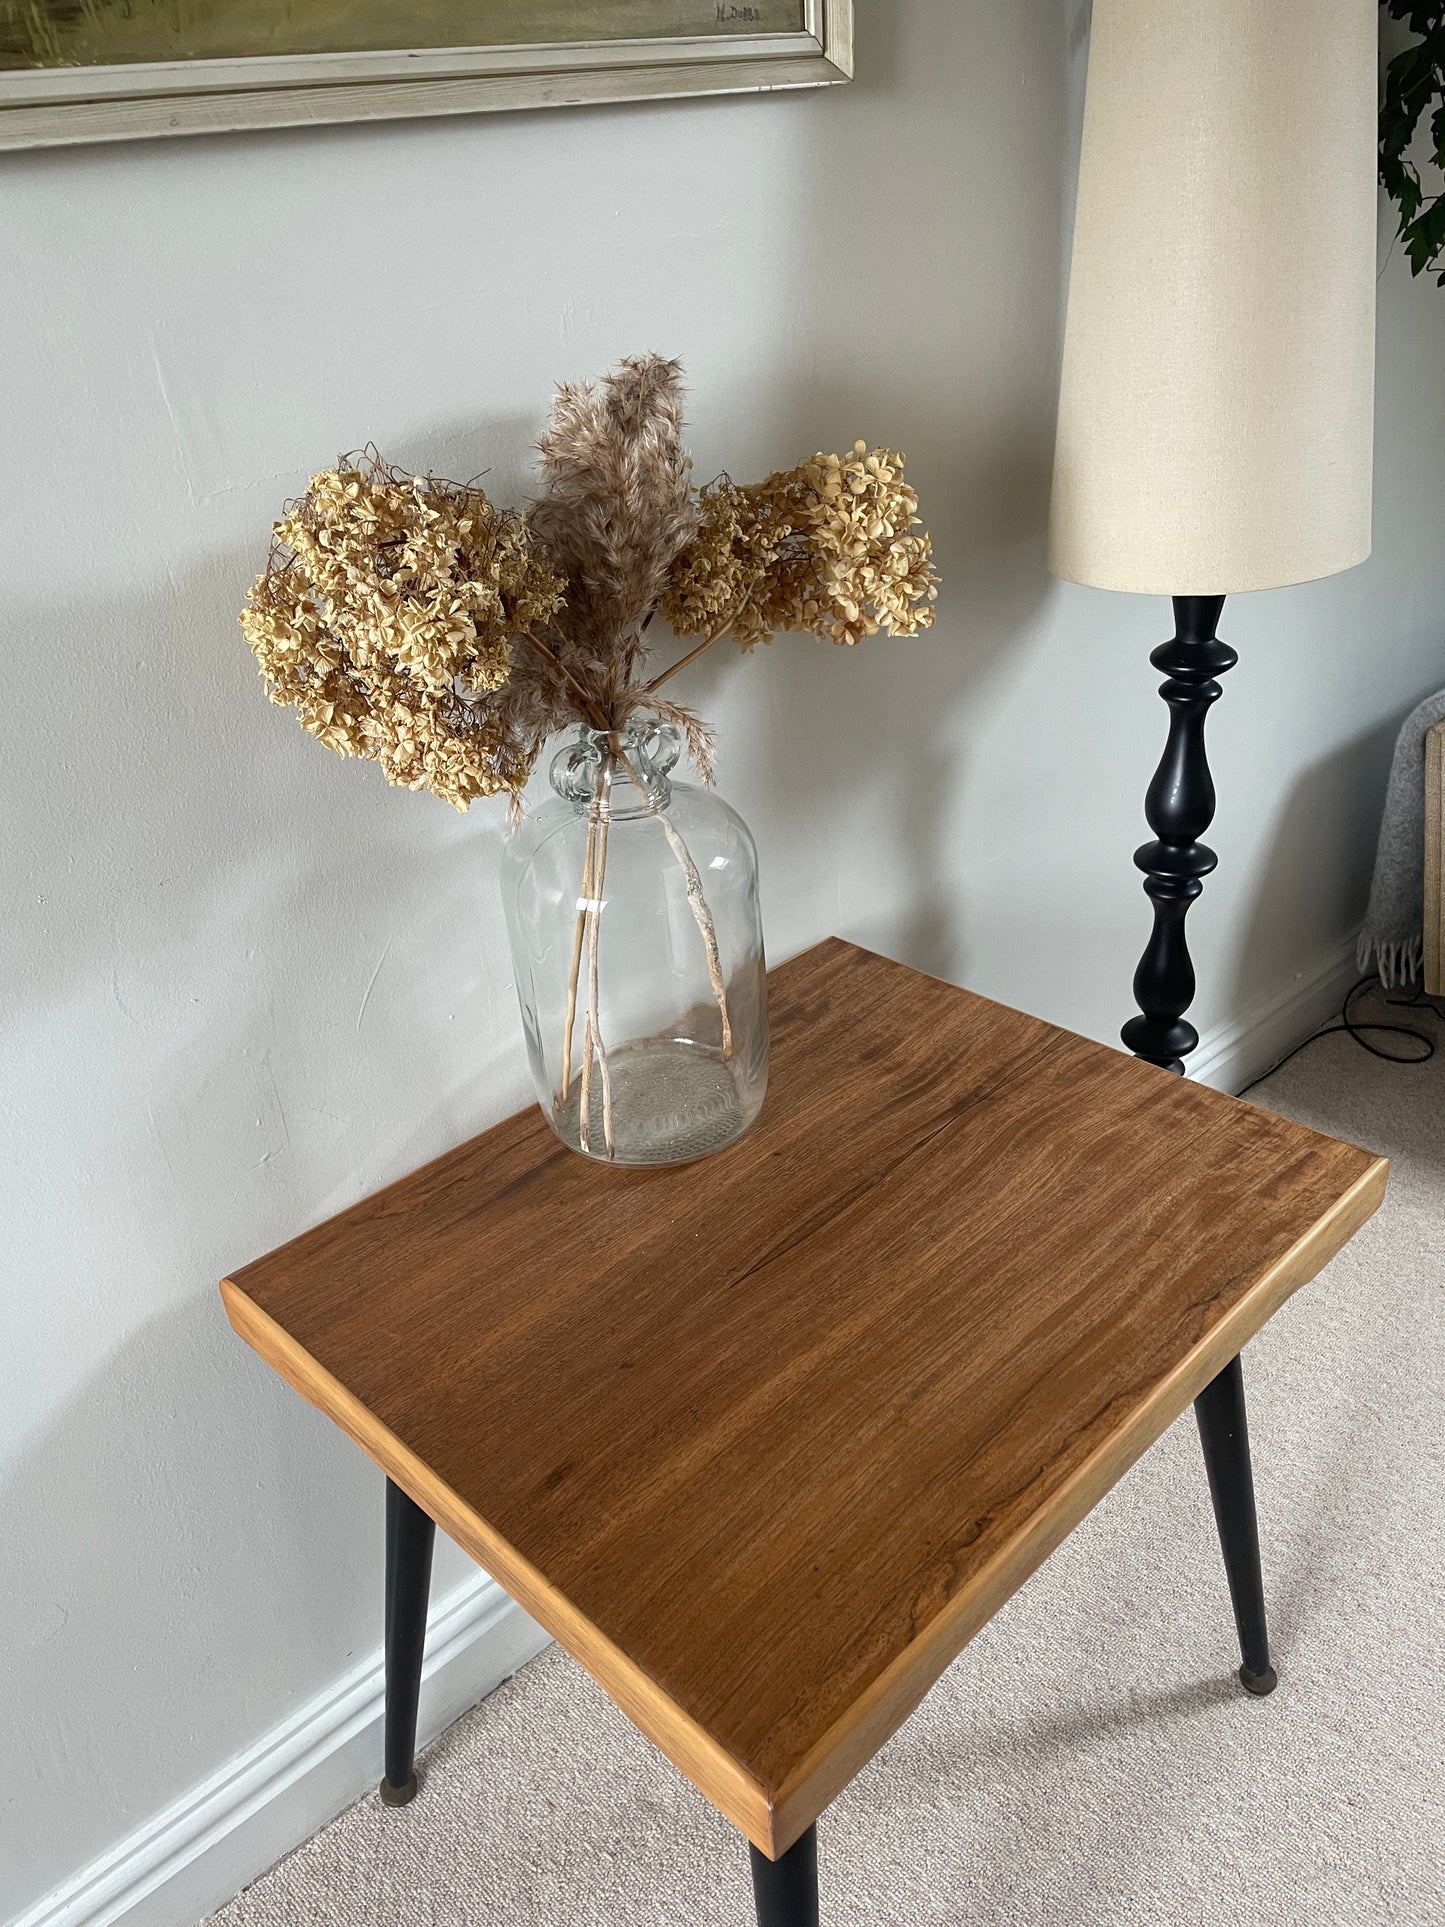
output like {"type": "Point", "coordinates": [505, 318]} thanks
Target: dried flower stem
{"type": "Point", "coordinates": [595, 868]}
{"type": "Point", "coordinates": [587, 926]}
{"type": "Point", "coordinates": [594, 1022]}
{"type": "Point", "coordinates": [693, 654]}
{"type": "Point", "coordinates": [588, 862]}
{"type": "Point", "coordinates": [584, 1094]}
{"type": "Point", "coordinates": [702, 916]}
{"type": "Point", "coordinates": [704, 920]}
{"type": "Point", "coordinates": [594, 714]}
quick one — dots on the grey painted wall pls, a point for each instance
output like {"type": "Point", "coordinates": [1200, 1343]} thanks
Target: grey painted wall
{"type": "Point", "coordinates": [244, 982]}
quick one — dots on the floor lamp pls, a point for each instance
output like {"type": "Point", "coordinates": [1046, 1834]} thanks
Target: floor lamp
{"type": "Point", "coordinates": [1216, 406]}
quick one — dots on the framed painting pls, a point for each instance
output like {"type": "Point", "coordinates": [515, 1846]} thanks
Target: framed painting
{"type": "Point", "coordinates": [85, 70]}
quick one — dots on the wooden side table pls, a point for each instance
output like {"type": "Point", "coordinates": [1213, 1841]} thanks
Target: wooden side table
{"type": "Point", "coordinates": [763, 1441]}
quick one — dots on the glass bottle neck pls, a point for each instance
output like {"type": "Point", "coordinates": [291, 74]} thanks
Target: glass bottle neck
{"type": "Point", "coordinates": [627, 769]}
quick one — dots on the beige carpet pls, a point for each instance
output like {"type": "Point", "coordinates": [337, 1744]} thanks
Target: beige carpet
{"type": "Point", "coordinates": [1089, 1761]}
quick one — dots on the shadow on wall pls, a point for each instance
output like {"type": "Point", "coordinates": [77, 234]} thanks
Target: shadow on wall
{"type": "Point", "coordinates": [1322, 815]}
{"type": "Point", "coordinates": [881, 734]}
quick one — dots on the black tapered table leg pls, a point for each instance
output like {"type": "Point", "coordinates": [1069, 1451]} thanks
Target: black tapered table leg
{"type": "Point", "coordinates": [1224, 1434]}
{"type": "Point", "coordinates": [786, 1889]}
{"type": "Point", "coordinates": [409, 1538]}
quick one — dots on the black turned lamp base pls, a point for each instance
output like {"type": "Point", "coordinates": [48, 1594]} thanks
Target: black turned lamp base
{"type": "Point", "coordinates": [1179, 808]}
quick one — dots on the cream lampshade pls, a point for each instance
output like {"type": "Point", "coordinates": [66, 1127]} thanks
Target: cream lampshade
{"type": "Point", "coordinates": [1216, 406]}
{"type": "Point", "coordinates": [1215, 418]}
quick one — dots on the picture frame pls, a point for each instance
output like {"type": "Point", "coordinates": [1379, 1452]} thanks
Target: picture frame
{"type": "Point", "coordinates": [58, 105]}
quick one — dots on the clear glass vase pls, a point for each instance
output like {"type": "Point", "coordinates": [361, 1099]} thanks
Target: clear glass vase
{"type": "Point", "coordinates": [637, 944]}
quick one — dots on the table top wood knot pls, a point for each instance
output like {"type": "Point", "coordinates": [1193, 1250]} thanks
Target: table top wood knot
{"type": "Point", "coordinates": [764, 1440]}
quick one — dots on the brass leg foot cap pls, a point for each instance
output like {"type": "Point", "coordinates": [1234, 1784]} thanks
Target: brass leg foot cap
{"type": "Point", "coordinates": [397, 1796]}
{"type": "Point", "coordinates": [1258, 1683]}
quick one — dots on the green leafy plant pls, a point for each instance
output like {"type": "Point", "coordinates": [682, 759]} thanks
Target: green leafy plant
{"type": "Point", "coordinates": [1415, 91]}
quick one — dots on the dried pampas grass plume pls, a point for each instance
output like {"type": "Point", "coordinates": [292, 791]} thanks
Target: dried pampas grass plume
{"type": "Point", "coordinates": [617, 507]}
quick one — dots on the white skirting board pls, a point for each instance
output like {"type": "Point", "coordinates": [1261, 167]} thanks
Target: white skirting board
{"type": "Point", "coordinates": [1233, 1054]}
{"type": "Point", "coordinates": [187, 1861]}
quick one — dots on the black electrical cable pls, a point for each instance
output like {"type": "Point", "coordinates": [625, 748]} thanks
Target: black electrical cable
{"type": "Point", "coordinates": [1348, 1026]}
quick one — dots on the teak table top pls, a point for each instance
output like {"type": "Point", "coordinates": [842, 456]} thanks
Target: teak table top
{"type": "Point", "coordinates": [764, 1440]}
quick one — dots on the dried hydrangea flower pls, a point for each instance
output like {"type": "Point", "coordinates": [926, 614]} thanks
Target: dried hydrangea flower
{"type": "Point", "coordinates": [723, 576]}
{"type": "Point", "coordinates": [385, 618]}
{"type": "Point", "coordinates": [832, 547]}
{"type": "Point", "coordinates": [410, 621]}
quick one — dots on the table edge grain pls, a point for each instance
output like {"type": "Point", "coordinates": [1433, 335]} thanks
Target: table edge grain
{"type": "Point", "coordinates": [871, 1720]}
{"type": "Point", "coordinates": [691, 1748]}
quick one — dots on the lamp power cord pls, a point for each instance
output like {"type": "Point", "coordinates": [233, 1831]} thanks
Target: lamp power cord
{"type": "Point", "coordinates": [1348, 1025]}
